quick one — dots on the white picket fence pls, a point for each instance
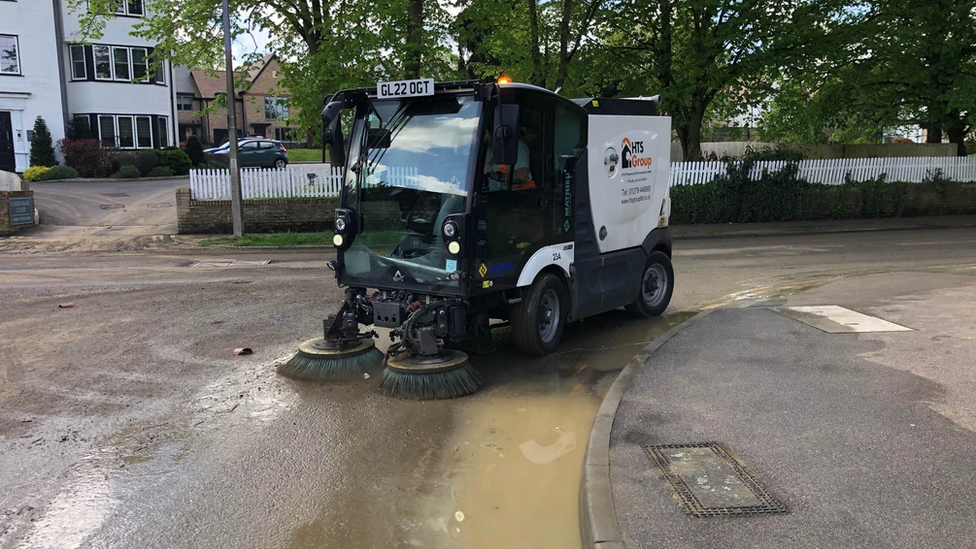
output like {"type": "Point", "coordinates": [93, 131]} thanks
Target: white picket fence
{"type": "Point", "coordinates": [833, 171]}
{"type": "Point", "coordinates": [319, 182]}
{"type": "Point", "coordinates": [290, 182]}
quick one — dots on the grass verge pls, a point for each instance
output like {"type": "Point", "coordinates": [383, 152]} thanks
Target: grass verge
{"type": "Point", "coordinates": [304, 155]}
{"type": "Point", "coordinates": [322, 238]}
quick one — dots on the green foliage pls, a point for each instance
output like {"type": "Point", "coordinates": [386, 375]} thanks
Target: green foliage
{"type": "Point", "coordinates": [323, 238]}
{"type": "Point", "coordinates": [87, 156]}
{"type": "Point", "coordinates": [59, 172]}
{"type": "Point", "coordinates": [146, 161]}
{"type": "Point", "coordinates": [34, 173]}
{"type": "Point", "coordinates": [127, 172]}
{"type": "Point", "coordinates": [78, 128]}
{"type": "Point", "coordinates": [42, 149]}
{"type": "Point", "coordinates": [194, 150]}
{"type": "Point", "coordinates": [176, 160]}
{"type": "Point", "coordinates": [160, 171]}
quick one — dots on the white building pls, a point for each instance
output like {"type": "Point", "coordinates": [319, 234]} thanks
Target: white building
{"type": "Point", "coordinates": [30, 84]}
{"type": "Point", "coordinates": [107, 84]}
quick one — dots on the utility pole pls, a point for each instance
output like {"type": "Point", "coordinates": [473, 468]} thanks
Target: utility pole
{"type": "Point", "coordinates": [235, 173]}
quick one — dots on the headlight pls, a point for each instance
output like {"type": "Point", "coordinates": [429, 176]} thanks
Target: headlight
{"type": "Point", "coordinates": [450, 229]}
{"type": "Point", "coordinates": [454, 247]}
{"type": "Point", "coordinates": [337, 240]}
{"type": "Point", "coordinates": [340, 224]}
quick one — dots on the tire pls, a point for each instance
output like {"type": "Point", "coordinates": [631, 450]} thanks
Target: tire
{"type": "Point", "coordinates": [533, 331]}
{"type": "Point", "coordinates": [279, 163]}
{"type": "Point", "coordinates": [656, 287]}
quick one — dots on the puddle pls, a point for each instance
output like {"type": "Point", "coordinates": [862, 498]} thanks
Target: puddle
{"type": "Point", "coordinates": [507, 474]}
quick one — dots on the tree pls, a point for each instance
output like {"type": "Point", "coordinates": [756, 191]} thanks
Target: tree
{"type": "Point", "coordinates": [709, 57]}
{"type": "Point", "coordinates": [42, 148]}
{"type": "Point", "coordinates": [194, 149]}
{"type": "Point", "coordinates": [898, 63]}
{"type": "Point", "coordinates": [78, 128]}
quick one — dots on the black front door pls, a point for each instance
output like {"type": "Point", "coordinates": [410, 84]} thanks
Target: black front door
{"type": "Point", "coordinates": [514, 212]}
{"type": "Point", "coordinates": [7, 161]}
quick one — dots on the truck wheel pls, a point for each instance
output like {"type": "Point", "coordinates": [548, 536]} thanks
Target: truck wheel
{"type": "Point", "coordinates": [537, 321]}
{"type": "Point", "coordinates": [657, 285]}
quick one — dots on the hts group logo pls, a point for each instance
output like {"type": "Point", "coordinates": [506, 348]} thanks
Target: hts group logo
{"type": "Point", "coordinates": [630, 152]}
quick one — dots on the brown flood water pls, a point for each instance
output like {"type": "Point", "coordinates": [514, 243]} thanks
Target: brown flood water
{"type": "Point", "coordinates": [507, 471]}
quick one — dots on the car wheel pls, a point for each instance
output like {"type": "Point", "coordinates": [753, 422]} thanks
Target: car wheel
{"type": "Point", "coordinates": [280, 163]}
{"type": "Point", "coordinates": [656, 287]}
{"type": "Point", "coordinates": [538, 320]}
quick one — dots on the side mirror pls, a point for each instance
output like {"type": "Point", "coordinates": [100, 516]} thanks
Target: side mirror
{"type": "Point", "coordinates": [332, 133]}
{"type": "Point", "coordinates": [504, 141]}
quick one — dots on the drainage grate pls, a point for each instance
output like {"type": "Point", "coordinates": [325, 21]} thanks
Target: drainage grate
{"type": "Point", "coordinates": [115, 195]}
{"type": "Point", "coordinates": [233, 263]}
{"type": "Point", "coordinates": [709, 482]}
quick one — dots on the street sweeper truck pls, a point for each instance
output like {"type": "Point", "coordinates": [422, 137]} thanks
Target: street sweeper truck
{"type": "Point", "coordinates": [469, 205]}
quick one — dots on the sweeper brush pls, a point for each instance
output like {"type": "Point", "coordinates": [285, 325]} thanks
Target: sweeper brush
{"type": "Point", "coordinates": [322, 360]}
{"type": "Point", "coordinates": [446, 375]}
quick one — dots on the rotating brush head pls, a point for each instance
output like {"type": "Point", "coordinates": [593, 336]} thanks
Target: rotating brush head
{"type": "Point", "coordinates": [448, 375]}
{"type": "Point", "coordinates": [316, 361]}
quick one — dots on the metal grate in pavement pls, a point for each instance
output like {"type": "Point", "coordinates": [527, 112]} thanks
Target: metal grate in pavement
{"type": "Point", "coordinates": [709, 482]}
{"type": "Point", "coordinates": [115, 195]}
{"type": "Point", "coordinates": [233, 263]}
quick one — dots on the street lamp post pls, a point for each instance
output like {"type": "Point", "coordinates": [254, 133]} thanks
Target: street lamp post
{"type": "Point", "coordinates": [235, 174]}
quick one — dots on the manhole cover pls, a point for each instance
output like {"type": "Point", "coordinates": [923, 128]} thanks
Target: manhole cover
{"type": "Point", "coordinates": [159, 205]}
{"type": "Point", "coordinates": [709, 482]}
{"type": "Point", "coordinates": [111, 206]}
{"type": "Point", "coordinates": [233, 263]}
{"type": "Point", "coordinates": [116, 195]}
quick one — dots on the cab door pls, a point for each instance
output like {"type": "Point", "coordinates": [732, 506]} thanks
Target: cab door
{"type": "Point", "coordinates": [514, 208]}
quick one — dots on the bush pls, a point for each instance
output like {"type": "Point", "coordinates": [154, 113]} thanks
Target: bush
{"type": "Point", "coordinates": [41, 149]}
{"type": "Point", "coordinates": [122, 158]}
{"type": "Point", "coordinates": [146, 161]}
{"type": "Point", "coordinates": [194, 149]}
{"type": "Point", "coordinates": [217, 161]}
{"type": "Point", "coordinates": [161, 171]}
{"type": "Point", "coordinates": [127, 172]}
{"type": "Point", "coordinates": [34, 173]}
{"type": "Point", "coordinates": [176, 160]}
{"type": "Point", "coordinates": [78, 128]}
{"type": "Point", "coordinates": [59, 172]}
{"type": "Point", "coordinates": [87, 156]}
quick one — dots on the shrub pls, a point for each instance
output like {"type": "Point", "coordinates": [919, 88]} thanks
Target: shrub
{"type": "Point", "coordinates": [59, 172]}
{"type": "Point", "coordinates": [217, 161]}
{"type": "Point", "coordinates": [146, 161]}
{"type": "Point", "coordinates": [194, 149]}
{"type": "Point", "coordinates": [78, 128]}
{"type": "Point", "coordinates": [41, 149]}
{"type": "Point", "coordinates": [127, 172]}
{"type": "Point", "coordinates": [176, 160]}
{"type": "Point", "coordinates": [87, 156]}
{"type": "Point", "coordinates": [122, 158]}
{"type": "Point", "coordinates": [161, 171]}
{"type": "Point", "coordinates": [34, 173]}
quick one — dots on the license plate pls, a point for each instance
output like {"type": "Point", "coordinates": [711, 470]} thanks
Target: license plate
{"type": "Point", "coordinates": [405, 88]}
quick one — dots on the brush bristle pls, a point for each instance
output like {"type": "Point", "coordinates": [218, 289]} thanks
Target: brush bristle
{"type": "Point", "coordinates": [459, 382]}
{"type": "Point", "coordinates": [339, 368]}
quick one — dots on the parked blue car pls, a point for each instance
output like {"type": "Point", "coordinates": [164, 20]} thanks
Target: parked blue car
{"type": "Point", "coordinates": [256, 153]}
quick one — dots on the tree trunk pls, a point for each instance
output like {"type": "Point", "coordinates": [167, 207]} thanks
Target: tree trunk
{"type": "Point", "coordinates": [563, 68]}
{"type": "Point", "coordinates": [414, 46]}
{"type": "Point", "coordinates": [933, 133]}
{"type": "Point", "coordinates": [957, 135]}
{"type": "Point", "coordinates": [690, 134]}
{"type": "Point", "coordinates": [537, 75]}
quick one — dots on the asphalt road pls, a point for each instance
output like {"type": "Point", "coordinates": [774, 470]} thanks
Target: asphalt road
{"type": "Point", "coordinates": [126, 420]}
{"type": "Point", "coordinates": [109, 208]}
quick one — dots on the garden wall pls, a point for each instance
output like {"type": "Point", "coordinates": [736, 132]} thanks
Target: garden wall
{"type": "Point", "coordinates": [260, 216]}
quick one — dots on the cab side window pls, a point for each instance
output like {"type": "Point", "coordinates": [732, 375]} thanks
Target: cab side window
{"type": "Point", "coordinates": [529, 171]}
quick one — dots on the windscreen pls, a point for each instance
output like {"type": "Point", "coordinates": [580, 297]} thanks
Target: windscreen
{"type": "Point", "coordinates": [408, 170]}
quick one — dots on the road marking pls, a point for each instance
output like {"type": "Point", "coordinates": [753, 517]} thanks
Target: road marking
{"type": "Point", "coordinates": [835, 319]}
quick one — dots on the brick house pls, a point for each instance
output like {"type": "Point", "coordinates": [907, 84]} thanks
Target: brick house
{"type": "Point", "coordinates": [262, 109]}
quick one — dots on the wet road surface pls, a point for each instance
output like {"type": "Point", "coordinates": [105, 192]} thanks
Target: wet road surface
{"type": "Point", "coordinates": [126, 421]}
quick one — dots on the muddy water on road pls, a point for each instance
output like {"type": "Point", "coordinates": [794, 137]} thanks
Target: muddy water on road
{"type": "Point", "coordinates": [507, 473]}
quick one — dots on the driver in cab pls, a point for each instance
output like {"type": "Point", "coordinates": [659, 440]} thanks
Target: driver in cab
{"type": "Point", "coordinates": [498, 174]}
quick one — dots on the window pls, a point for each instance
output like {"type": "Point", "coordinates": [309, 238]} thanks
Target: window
{"type": "Point", "coordinates": [284, 134]}
{"type": "Point", "coordinates": [121, 59]}
{"type": "Point", "coordinates": [106, 130]}
{"type": "Point", "coordinates": [144, 132]}
{"type": "Point", "coordinates": [134, 7]}
{"type": "Point", "coordinates": [78, 69]}
{"type": "Point", "coordinates": [140, 65]}
{"type": "Point", "coordinates": [275, 108]}
{"type": "Point", "coordinates": [103, 62]}
{"type": "Point", "coordinates": [184, 102]}
{"type": "Point", "coordinates": [9, 54]}
{"type": "Point", "coordinates": [162, 129]}
{"type": "Point", "coordinates": [127, 138]}
{"type": "Point", "coordinates": [249, 146]}
{"type": "Point", "coordinates": [159, 74]}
